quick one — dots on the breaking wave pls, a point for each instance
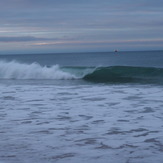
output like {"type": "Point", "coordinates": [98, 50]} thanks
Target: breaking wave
{"type": "Point", "coordinates": [113, 74]}
{"type": "Point", "coordinates": [15, 70]}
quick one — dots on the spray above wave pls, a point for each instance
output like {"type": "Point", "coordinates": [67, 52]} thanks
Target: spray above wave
{"type": "Point", "coordinates": [15, 70]}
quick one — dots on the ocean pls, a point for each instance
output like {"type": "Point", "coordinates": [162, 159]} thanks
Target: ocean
{"type": "Point", "coordinates": [82, 107]}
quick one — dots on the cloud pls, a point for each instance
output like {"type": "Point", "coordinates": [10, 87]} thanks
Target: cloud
{"type": "Point", "coordinates": [22, 39]}
{"type": "Point", "coordinates": [95, 42]}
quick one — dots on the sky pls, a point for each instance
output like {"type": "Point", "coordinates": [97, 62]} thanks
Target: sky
{"type": "Point", "coordinates": [56, 26]}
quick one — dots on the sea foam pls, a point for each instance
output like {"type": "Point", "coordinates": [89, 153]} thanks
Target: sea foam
{"type": "Point", "coordinates": [16, 70]}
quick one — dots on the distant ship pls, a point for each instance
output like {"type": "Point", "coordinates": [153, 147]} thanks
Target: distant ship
{"type": "Point", "coordinates": [116, 50]}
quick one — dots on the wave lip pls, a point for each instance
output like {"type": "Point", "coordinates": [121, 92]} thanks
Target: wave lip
{"type": "Point", "coordinates": [16, 70]}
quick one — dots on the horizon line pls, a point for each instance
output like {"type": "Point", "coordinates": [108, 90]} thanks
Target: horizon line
{"type": "Point", "coordinates": [43, 53]}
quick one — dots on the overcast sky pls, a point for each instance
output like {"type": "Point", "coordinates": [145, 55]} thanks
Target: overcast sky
{"type": "Point", "coordinates": [40, 26]}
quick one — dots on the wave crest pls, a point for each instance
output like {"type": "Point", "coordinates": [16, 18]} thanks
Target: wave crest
{"type": "Point", "coordinates": [16, 70]}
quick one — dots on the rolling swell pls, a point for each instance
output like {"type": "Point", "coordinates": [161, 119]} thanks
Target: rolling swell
{"type": "Point", "coordinates": [126, 74]}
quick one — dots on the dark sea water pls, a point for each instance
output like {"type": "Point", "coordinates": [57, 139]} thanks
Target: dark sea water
{"type": "Point", "coordinates": [142, 59]}
{"type": "Point", "coordinates": [81, 107]}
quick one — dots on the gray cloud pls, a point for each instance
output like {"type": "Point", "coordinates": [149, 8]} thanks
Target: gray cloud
{"type": "Point", "coordinates": [23, 39]}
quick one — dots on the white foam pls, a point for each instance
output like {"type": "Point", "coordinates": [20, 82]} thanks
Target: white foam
{"type": "Point", "coordinates": [80, 123]}
{"type": "Point", "coordinates": [16, 70]}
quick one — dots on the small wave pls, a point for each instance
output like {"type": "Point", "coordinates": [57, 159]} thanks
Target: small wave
{"type": "Point", "coordinates": [16, 70]}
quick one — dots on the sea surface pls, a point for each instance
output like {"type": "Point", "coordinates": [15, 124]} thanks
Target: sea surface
{"type": "Point", "coordinates": [82, 108]}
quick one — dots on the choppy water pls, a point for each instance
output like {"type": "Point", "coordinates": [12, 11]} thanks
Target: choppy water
{"type": "Point", "coordinates": [81, 123]}
{"type": "Point", "coordinates": [76, 120]}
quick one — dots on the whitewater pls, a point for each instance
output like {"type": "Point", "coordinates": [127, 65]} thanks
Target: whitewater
{"type": "Point", "coordinates": [97, 108]}
{"type": "Point", "coordinates": [15, 70]}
